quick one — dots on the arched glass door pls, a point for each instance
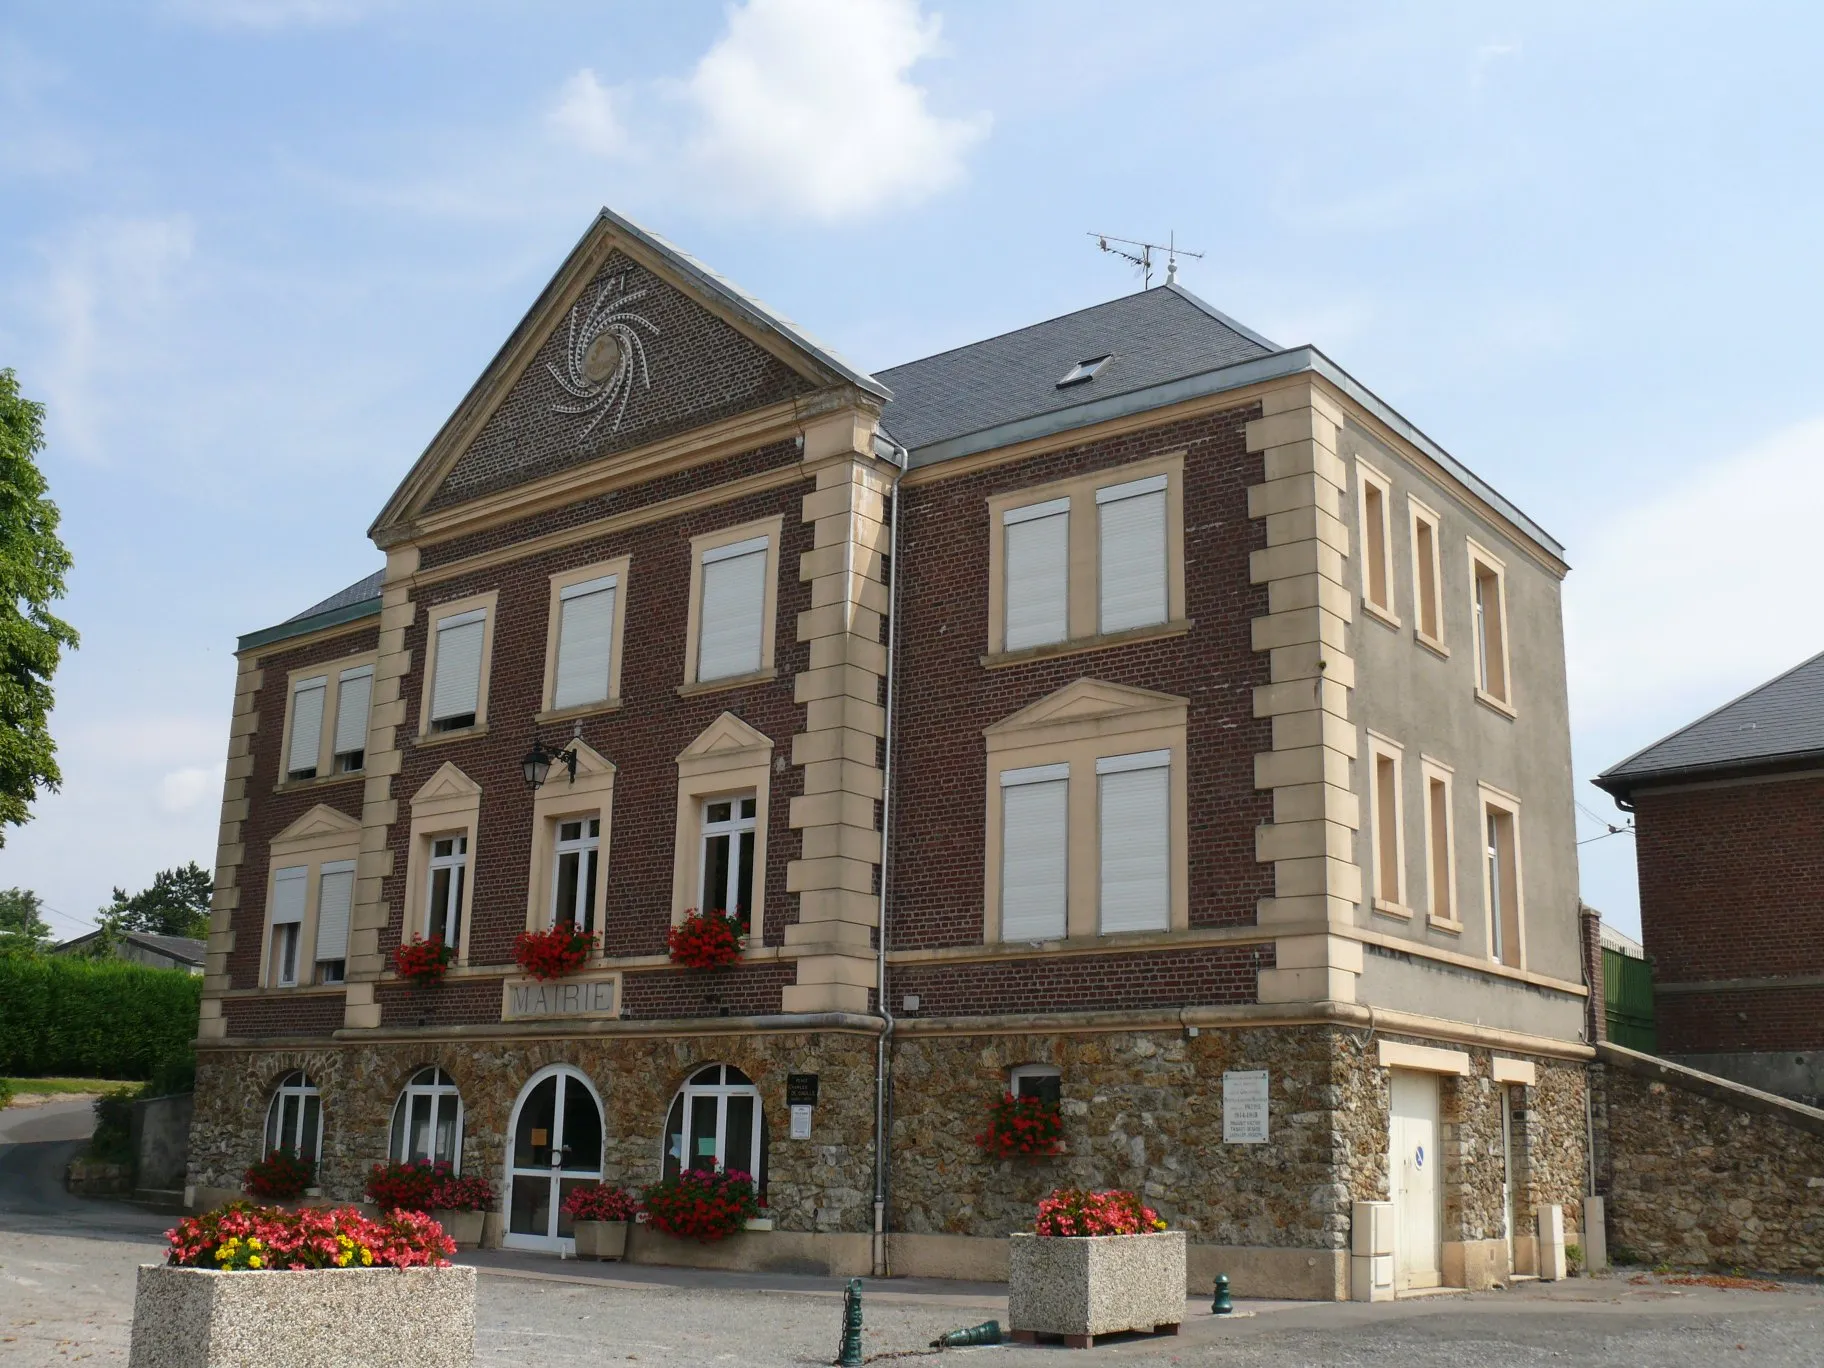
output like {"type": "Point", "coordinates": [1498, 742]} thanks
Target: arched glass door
{"type": "Point", "coordinates": [557, 1145]}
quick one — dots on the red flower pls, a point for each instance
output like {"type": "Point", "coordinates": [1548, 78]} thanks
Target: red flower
{"type": "Point", "coordinates": [601, 1202]}
{"type": "Point", "coordinates": [552, 954]}
{"type": "Point", "coordinates": [423, 961]}
{"type": "Point", "coordinates": [706, 940]}
{"type": "Point", "coordinates": [281, 1175]}
{"type": "Point", "coordinates": [700, 1204]}
{"type": "Point", "coordinates": [313, 1238]}
{"type": "Point", "coordinates": [1072, 1211]}
{"type": "Point", "coordinates": [1022, 1127]}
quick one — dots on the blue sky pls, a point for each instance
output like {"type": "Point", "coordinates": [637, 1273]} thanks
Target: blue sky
{"type": "Point", "coordinates": [252, 252]}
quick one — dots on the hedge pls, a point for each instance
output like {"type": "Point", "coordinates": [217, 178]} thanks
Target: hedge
{"type": "Point", "coordinates": [93, 1019]}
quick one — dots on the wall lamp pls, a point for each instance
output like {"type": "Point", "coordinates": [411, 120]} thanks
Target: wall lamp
{"type": "Point", "coordinates": [538, 761]}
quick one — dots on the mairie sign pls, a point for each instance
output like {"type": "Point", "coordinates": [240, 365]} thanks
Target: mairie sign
{"type": "Point", "coordinates": [577, 998]}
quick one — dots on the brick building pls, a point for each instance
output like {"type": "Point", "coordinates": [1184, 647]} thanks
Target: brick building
{"type": "Point", "coordinates": [1125, 711]}
{"type": "Point", "coordinates": [1729, 837]}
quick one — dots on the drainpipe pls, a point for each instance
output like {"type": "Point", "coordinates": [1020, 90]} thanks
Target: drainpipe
{"type": "Point", "coordinates": [882, 1166]}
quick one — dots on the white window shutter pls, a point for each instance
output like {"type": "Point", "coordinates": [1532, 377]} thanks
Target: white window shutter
{"type": "Point", "coordinates": [306, 725]}
{"type": "Point", "coordinates": [732, 618]}
{"type": "Point", "coordinates": [457, 689]}
{"type": "Point", "coordinates": [335, 896]}
{"type": "Point", "coordinates": [1035, 871]}
{"type": "Point", "coordinates": [288, 895]}
{"type": "Point", "coordinates": [585, 636]}
{"type": "Point", "coordinates": [352, 699]}
{"type": "Point", "coordinates": [1136, 812]}
{"type": "Point", "coordinates": [1132, 553]}
{"type": "Point", "coordinates": [1038, 574]}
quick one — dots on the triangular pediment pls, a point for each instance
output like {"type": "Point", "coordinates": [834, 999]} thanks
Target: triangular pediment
{"type": "Point", "coordinates": [588, 759]}
{"type": "Point", "coordinates": [321, 822]}
{"type": "Point", "coordinates": [633, 342]}
{"type": "Point", "coordinates": [1091, 700]}
{"type": "Point", "coordinates": [449, 783]}
{"type": "Point", "coordinates": [727, 735]}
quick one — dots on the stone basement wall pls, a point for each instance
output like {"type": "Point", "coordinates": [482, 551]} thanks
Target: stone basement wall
{"type": "Point", "coordinates": [1701, 1172]}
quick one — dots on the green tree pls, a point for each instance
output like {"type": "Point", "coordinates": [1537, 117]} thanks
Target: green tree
{"type": "Point", "coordinates": [22, 930]}
{"type": "Point", "coordinates": [33, 563]}
{"type": "Point", "coordinates": [177, 904]}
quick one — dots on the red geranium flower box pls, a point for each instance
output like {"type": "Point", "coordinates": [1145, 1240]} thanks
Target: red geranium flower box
{"type": "Point", "coordinates": [706, 940]}
{"type": "Point", "coordinates": [423, 961]}
{"type": "Point", "coordinates": [551, 954]}
{"type": "Point", "coordinates": [1022, 1128]}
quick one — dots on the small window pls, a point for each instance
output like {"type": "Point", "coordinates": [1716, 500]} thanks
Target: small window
{"type": "Point", "coordinates": [1038, 573]}
{"type": "Point", "coordinates": [307, 700]}
{"type": "Point", "coordinates": [1388, 835]}
{"type": "Point", "coordinates": [1131, 521]}
{"type": "Point", "coordinates": [335, 899]}
{"type": "Point", "coordinates": [1134, 796]}
{"type": "Point", "coordinates": [1041, 1081]}
{"type": "Point", "coordinates": [1035, 842]}
{"type": "Point", "coordinates": [1501, 878]}
{"type": "Point", "coordinates": [294, 1119]}
{"type": "Point", "coordinates": [726, 881]}
{"type": "Point", "coordinates": [1427, 576]}
{"type": "Point", "coordinates": [456, 687]}
{"type": "Point", "coordinates": [1440, 853]}
{"type": "Point", "coordinates": [716, 1123]}
{"type": "Point", "coordinates": [1488, 584]}
{"type": "Point", "coordinates": [449, 871]}
{"type": "Point", "coordinates": [731, 620]}
{"type": "Point", "coordinates": [427, 1121]}
{"type": "Point", "coordinates": [1377, 541]}
{"type": "Point", "coordinates": [579, 842]}
{"type": "Point", "coordinates": [585, 642]}
{"type": "Point", "coordinates": [288, 889]}
{"type": "Point", "coordinates": [1083, 371]}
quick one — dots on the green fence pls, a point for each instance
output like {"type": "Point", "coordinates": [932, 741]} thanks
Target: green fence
{"type": "Point", "coordinates": [1627, 996]}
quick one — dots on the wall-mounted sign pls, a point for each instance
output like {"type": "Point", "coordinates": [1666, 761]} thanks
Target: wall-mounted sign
{"type": "Point", "coordinates": [581, 997]}
{"type": "Point", "coordinates": [801, 1122]}
{"type": "Point", "coordinates": [801, 1090]}
{"type": "Point", "coordinates": [1244, 1107]}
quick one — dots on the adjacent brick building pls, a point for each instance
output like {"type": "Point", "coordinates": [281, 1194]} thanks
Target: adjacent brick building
{"type": "Point", "coordinates": [1126, 712]}
{"type": "Point", "coordinates": [1729, 834]}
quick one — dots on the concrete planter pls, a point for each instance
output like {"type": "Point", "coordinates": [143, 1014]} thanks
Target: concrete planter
{"type": "Point", "coordinates": [601, 1239]}
{"type": "Point", "coordinates": [1078, 1287]}
{"type": "Point", "coordinates": [316, 1318]}
{"type": "Point", "coordinates": [464, 1227]}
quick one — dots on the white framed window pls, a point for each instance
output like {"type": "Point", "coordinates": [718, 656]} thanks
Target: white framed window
{"type": "Point", "coordinates": [1042, 1081]}
{"type": "Point", "coordinates": [1440, 844]}
{"type": "Point", "coordinates": [335, 900]}
{"type": "Point", "coordinates": [1503, 890]}
{"type": "Point", "coordinates": [307, 699]}
{"type": "Point", "coordinates": [1488, 590]}
{"type": "Point", "coordinates": [456, 676]}
{"type": "Point", "coordinates": [294, 1118]}
{"type": "Point", "coordinates": [1131, 554]}
{"type": "Point", "coordinates": [354, 697]}
{"type": "Point", "coordinates": [1387, 810]}
{"type": "Point", "coordinates": [1375, 499]}
{"type": "Point", "coordinates": [725, 880]}
{"type": "Point", "coordinates": [1134, 821]}
{"type": "Point", "coordinates": [1035, 846]}
{"type": "Point", "coordinates": [716, 1122]}
{"type": "Point", "coordinates": [578, 846]}
{"type": "Point", "coordinates": [585, 641]}
{"type": "Point", "coordinates": [449, 869]}
{"type": "Point", "coordinates": [1037, 560]}
{"type": "Point", "coordinates": [731, 617]}
{"type": "Point", "coordinates": [1427, 576]}
{"type": "Point", "coordinates": [427, 1121]}
{"type": "Point", "coordinates": [288, 898]}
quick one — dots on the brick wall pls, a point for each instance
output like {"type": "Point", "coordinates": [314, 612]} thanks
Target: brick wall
{"type": "Point", "coordinates": [285, 1014]}
{"type": "Point", "coordinates": [1162, 978]}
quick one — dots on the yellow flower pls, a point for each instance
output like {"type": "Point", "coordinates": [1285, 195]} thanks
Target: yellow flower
{"type": "Point", "coordinates": [367, 1255]}
{"type": "Point", "coordinates": [253, 1244]}
{"type": "Point", "coordinates": [253, 1261]}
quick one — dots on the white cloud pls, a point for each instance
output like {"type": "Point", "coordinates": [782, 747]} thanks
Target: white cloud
{"type": "Point", "coordinates": [803, 108]}
{"type": "Point", "coordinates": [1700, 591]}
{"type": "Point", "coordinates": [185, 789]}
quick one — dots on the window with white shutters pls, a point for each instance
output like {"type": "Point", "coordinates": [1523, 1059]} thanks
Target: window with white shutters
{"type": "Point", "coordinates": [288, 887]}
{"type": "Point", "coordinates": [354, 693]}
{"type": "Point", "coordinates": [585, 642]}
{"type": "Point", "coordinates": [335, 897]}
{"type": "Point", "coordinates": [456, 690]}
{"type": "Point", "coordinates": [1035, 841]}
{"type": "Point", "coordinates": [731, 619]}
{"type": "Point", "coordinates": [1130, 522]}
{"type": "Point", "coordinates": [1038, 574]}
{"type": "Point", "coordinates": [306, 727]}
{"type": "Point", "coordinates": [1134, 804]}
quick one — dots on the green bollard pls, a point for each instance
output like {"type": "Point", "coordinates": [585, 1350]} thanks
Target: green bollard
{"type": "Point", "coordinates": [849, 1354]}
{"type": "Point", "coordinates": [1221, 1304]}
{"type": "Point", "coordinates": [988, 1332]}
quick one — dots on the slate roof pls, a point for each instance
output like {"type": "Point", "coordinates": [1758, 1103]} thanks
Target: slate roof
{"type": "Point", "coordinates": [363, 589]}
{"type": "Point", "coordinates": [183, 949]}
{"type": "Point", "coordinates": [1770, 727]}
{"type": "Point", "coordinates": [1151, 336]}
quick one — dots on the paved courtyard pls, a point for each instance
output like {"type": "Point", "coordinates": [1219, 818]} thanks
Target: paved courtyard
{"type": "Point", "coordinates": [67, 1269]}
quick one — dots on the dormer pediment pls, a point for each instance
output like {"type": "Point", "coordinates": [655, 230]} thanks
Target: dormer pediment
{"type": "Point", "coordinates": [449, 787]}
{"type": "Point", "coordinates": [726, 741]}
{"type": "Point", "coordinates": [1087, 707]}
{"type": "Point", "coordinates": [322, 827]}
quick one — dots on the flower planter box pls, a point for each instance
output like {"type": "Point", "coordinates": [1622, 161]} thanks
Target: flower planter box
{"type": "Point", "coordinates": [601, 1239]}
{"type": "Point", "coordinates": [1078, 1287]}
{"type": "Point", "coordinates": [464, 1227]}
{"type": "Point", "coordinates": [316, 1318]}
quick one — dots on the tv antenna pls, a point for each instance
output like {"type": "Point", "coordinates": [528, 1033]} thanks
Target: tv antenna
{"type": "Point", "coordinates": [1143, 255]}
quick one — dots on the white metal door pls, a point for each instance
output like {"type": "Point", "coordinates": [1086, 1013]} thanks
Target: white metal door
{"type": "Point", "coordinates": [556, 1146]}
{"type": "Point", "coordinates": [1413, 1159]}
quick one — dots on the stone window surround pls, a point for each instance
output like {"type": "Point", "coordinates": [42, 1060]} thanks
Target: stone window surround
{"type": "Point", "coordinates": [490, 602]}
{"type": "Point", "coordinates": [449, 804]}
{"type": "Point", "coordinates": [1084, 631]}
{"type": "Point", "coordinates": [1484, 562]}
{"type": "Point", "coordinates": [332, 702]}
{"type": "Point", "coordinates": [1381, 822]}
{"type": "Point", "coordinates": [1422, 516]}
{"type": "Point", "coordinates": [620, 567]}
{"type": "Point", "coordinates": [325, 836]}
{"type": "Point", "coordinates": [731, 758]}
{"type": "Point", "coordinates": [772, 529]}
{"type": "Point", "coordinates": [1435, 771]}
{"type": "Point", "coordinates": [1157, 722]}
{"type": "Point", "coordinates": [1491, 799]}
{"type": "Point", "coordinates": [560, 800]}
{"type": "Point", "coordinates": [1371, 482]}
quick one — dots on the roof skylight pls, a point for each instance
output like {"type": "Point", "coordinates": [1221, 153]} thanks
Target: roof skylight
{"type": "Point", "coordinates": [1084, 371]}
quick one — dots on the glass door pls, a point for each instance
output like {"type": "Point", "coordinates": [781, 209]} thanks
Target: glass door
{"type": "Point", "coordinates": [557, 1146]}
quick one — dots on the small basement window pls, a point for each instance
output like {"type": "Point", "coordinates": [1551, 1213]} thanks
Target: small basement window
{"type": "Point", "coordinates": [1043, 1081]}
{"type": "Point", "coordinates": [1084, 371]}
